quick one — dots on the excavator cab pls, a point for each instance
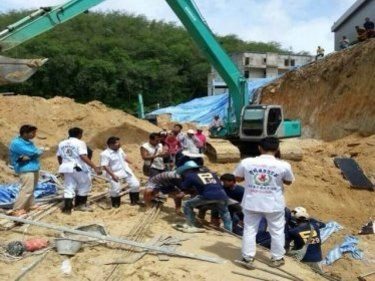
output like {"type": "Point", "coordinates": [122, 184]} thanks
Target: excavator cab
{"type": "Point", "coordinates": [259, 121]}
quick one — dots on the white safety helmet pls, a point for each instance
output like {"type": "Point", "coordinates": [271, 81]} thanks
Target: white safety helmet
{"type": "Point", "coordinates": [300, 212]}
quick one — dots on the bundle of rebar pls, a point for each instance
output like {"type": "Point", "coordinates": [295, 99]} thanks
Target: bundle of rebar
{"type": "Point", "coordinates": [137, 234]}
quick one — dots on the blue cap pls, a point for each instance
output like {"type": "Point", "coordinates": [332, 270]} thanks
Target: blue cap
{"type": "Point", "coordinates": [187, 166]}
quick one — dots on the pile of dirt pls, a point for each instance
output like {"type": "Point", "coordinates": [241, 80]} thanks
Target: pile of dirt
{"type": "Point", "coordinates": [55, 116]}
{"type": "Point", "coordinates": [333, 97]}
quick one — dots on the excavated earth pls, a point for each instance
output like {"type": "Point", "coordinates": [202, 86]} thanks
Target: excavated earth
{"type": "Point", "coordinates": [333, 97]}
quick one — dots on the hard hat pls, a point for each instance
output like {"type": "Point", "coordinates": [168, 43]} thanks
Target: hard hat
{"type": "Point", "coordinates": [187, 166]}
{"type": "Point", "coordinates": [300, 212]}
{"type": "Point", "coordinates": [190, 132]}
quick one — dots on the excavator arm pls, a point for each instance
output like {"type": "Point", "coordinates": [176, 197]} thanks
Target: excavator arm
{"type": "Point", "coordinates": [204, 38]}
{"type": "Point", "coordinates": [41, 21]}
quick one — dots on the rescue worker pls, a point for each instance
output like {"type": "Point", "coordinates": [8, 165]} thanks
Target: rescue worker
{"type": "Point", "coordinates": [24, 157]}
{"type": "Point", "coordinates": [306, 239]}
{"type": "Point", "coordinates": [264, 178]}
{"type": "Point", "coordinates": [115, 163]}
{"type": "Point", "coordinates": [166, 183]}
{"type": "Point", "coordinates": [235, 193]}
{"type": "Point", "coordinates": [209, 190]}
{"type": "Point", "coordinates": [74, 165]}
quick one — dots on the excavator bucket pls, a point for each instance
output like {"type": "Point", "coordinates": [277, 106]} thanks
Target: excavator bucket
{"type": "Point", "coordinates": [18, 70]}
{"type": "Point", "coordinates": [222, 151]}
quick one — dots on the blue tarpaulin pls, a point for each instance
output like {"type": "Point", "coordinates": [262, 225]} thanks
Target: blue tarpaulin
{"type": "Point", "coordinates": [348, 246]}
{"type": "Point", "coordinates": [202, 110]}
{"type": "Point", "coordinates": [9, 192]}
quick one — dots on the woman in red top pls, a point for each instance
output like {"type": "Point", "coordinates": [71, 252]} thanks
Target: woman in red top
{"type": "Point", "coordinates": [199, 134]}
{"type": "Point", "coordinates": [173, 145]}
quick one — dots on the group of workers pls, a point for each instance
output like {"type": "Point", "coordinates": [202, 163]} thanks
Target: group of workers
{"type": "Point", "coordinates": [363, 33]}
{"type": "Point", "coordinates": [174, 166]}
{"type": "Point", "coordinates": [367, 31]}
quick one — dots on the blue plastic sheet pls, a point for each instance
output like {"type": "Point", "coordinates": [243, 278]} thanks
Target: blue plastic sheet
{"type": "Point", "coordinates": [348, 246]}
{"type": "Point", "coordinates": [330, 228]}
{"type": "Point", "coordinates": [202, 110]}
{"type": "Point", "coordinates": [9, 192]}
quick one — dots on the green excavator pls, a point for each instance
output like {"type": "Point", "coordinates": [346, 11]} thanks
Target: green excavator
{"type": "Point", "coordinates": [246, 123]}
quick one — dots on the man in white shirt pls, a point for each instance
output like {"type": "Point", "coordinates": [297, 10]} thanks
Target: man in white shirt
{"type": "Point", "coordinates": [192, 142]}
{"type": "Point", "coordinates": [264, 177]}
{"type": "Point", "coordinates": [74, 165]}
{"type": "Point", "coordinates": [115, 163]}
{"type": "Point", "coordinates": [152, 153]}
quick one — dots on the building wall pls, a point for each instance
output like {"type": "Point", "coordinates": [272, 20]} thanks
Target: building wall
{"type": "Point", "coordinates": [257, 65]}
{"type": "Point", "coordinates": [357, 18]}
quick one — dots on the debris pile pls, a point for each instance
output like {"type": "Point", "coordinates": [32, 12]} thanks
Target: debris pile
{"type": "Point", "coordinates": [333, 97]}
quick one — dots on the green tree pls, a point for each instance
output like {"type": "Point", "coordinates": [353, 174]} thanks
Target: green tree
{"type": "Point", "coordinates": [113, 56]}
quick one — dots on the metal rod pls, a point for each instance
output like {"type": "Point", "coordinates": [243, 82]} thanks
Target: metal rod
{"type": "Point", "coordinates": [31, 266]}
{"type": "Point", "coordinates": [114, 239]}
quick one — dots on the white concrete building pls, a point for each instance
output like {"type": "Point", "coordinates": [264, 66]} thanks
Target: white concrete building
{"type": "Point", "coordinates": [257, 65]}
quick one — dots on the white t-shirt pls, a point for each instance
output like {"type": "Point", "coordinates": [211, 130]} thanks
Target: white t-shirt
{"type": "Point", "coordinates": [181, 137]}
{"type": "Point", "coordinates": [264, 176]}
{"type": "Point", "coordinates": [70, 150]}
{"type": "Point", "coordinates": [192, 144]}
{"type": "Point", "coordinates": [115, 160]}
{"type": "Point", "coordinates": [158, 162]}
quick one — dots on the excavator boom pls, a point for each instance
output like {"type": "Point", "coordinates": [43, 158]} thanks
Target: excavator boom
{"type": "Point", "coordinates": [19, 70]}
{"type": "Point", "coordinates": [41, 21]}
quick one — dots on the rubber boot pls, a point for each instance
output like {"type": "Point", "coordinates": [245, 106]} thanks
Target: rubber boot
{"type": "Point", "coordinates": [132, 198]}
{"type": "Point", "coordinates": [116, 201]}
{"type": "Point", "coordinates": [83, 206]}
{"type": "Point", "coordinates": [77, 201]}
{"type": "Point", "coordinates": [137, 200]}
{"type": "Point", "coordinates": [136, 197]}
{"type": "Point", "coordinates": [68, 206]}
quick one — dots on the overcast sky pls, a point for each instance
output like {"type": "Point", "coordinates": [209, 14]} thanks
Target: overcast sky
{"type": "Point", "coordinates": [300, 24]}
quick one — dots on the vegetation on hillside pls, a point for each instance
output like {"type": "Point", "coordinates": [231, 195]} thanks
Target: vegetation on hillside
{"type": "Point", "coordinates": [112, 57]}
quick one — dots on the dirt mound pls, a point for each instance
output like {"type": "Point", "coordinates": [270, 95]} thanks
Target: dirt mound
{"type": "Point", "coordinates": [55, 116]}
{"type": "Point", "coordinates": [334, 97]}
